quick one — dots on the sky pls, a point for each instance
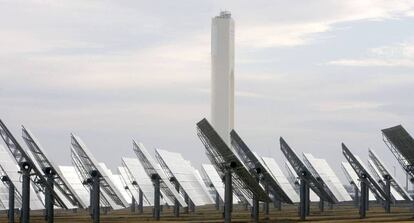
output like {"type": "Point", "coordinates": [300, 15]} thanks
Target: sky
{"type": "Point", "coordinates": [317, 73]}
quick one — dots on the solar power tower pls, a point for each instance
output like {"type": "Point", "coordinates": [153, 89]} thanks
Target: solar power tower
{"type": "Point", "coordinates": [182, 174]}
{"type": "Point", "coordinates": [367, 183]}
{"type": "Point", "coordinates": [30, 173]}
{"type": "Point", "coordinates": [258, 170]}
{"type": "Point", "coordinates": [228, 165]}
{"type": "Point", "coordinates": [161, 182]}
{"type": "Point", "coordinates": [98, 178]}
{"type": "Point", "coordinates": [307, 181]}
{"type": "Point", "coordinates": [323, 172]}
{"type": "Point", "coordinates": [386, 174]}
{"type": "Point", "coordinates": [59, 182]}
{"type": "Point", "coordinates": [140, 182]}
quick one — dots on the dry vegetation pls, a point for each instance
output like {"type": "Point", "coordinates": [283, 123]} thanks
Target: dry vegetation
{"type": "Point", "coordinates": [339, 213]}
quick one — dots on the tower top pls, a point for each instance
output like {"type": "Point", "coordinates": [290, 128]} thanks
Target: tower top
{"type": "Point", "coordinates": [224, 14]}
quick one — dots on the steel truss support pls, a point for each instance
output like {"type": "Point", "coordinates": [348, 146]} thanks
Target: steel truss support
{"type": "Point", "coordinates": [363, 204]}
{"type": "Point", "coordinates": [10, 212]}
{"type": "Point", "coordinates": [141, 202]}
{"type": "Point", "coordinates": [157, 209]}
{"type": "Point", "coordinates": [228, 195]}
{"type": "Point", "coordinates": [95, 196]}
{"type": "Point", "coordinates": [49, 198]}
{"type": "Point", "coordinates": [25, 168]}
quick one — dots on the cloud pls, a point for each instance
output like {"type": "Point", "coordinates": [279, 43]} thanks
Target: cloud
{"type": "Point", "coordinates": [136, 48]}
{"type": "Point", "coordinates": [299, 23]}
{"type": "Point", "coordinates": [279, 34]}
{"type": "Point", "coordinates": [335, 106]}
{"type": "Point", "coordinates": [396, 55]}
{"type": "Point", "coordinates": [373, 62]}
{"type": "Point", "coordinates": [183, 62]}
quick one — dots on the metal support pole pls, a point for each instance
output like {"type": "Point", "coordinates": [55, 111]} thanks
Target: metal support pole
{"type": "Point", "coordinates": [406, 181]}
{"type": "Point", "coordinates": [192, 206]}
{"type": "Point", "coordinates": [10, 212]}
{"type": "Point", "coordinates": [176, 203]}
{"type": "Point", "coordinates": [255, 209]}
{"type": "Point", "coordinates": [279, 204]}
{"type": "Point", "coordinates": [157, 209]}
{"type": "Point", "coordinates": [412, 203]}
{"type": "Point", "coordinates": [140, 202]}
{"type": "Point", "coordinates": [187, 201]}
{"type": "Point", "coordinates": [363, 199]}
{"type": "Point", "coordinates": [387, 205]}
{"type": "Point", "coordinates": [89, 182]}
{"type": "Point", "coordinates": [133, 204]}
{"type": "Point", "coordinates": [367, 196]}
{"type": "Point", "coordinates": [25, 168]}
{"type": "Point", "coordinates": [303, 200]}
{"type": "Point", "coordinates": [266, 203]}
{"type": "Point", "coordinates": [49, 199]}
{"type": "Point", "coordinates": [307, 199]}
{"type": "Point", "coordinates": [228, 196]}
{"type": "Point", "coordinates": [321, 204]}
{"type": "Point", "coordinates": [356, 197]}
{"type": "Point", "coordinates": [217, 201]}
{"type": "Point", "coordinates": [95, 196]}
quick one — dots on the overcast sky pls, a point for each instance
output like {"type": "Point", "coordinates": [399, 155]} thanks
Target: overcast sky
{"type": "Point", "coordinates": [316, 72]}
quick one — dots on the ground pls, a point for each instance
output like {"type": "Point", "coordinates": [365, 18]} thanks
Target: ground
{"type": "Point", "coordinates": [339, 213]}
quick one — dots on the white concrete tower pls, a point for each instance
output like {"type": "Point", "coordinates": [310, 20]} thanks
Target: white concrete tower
{"type": "Point", "coordinates": [222, 74]}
